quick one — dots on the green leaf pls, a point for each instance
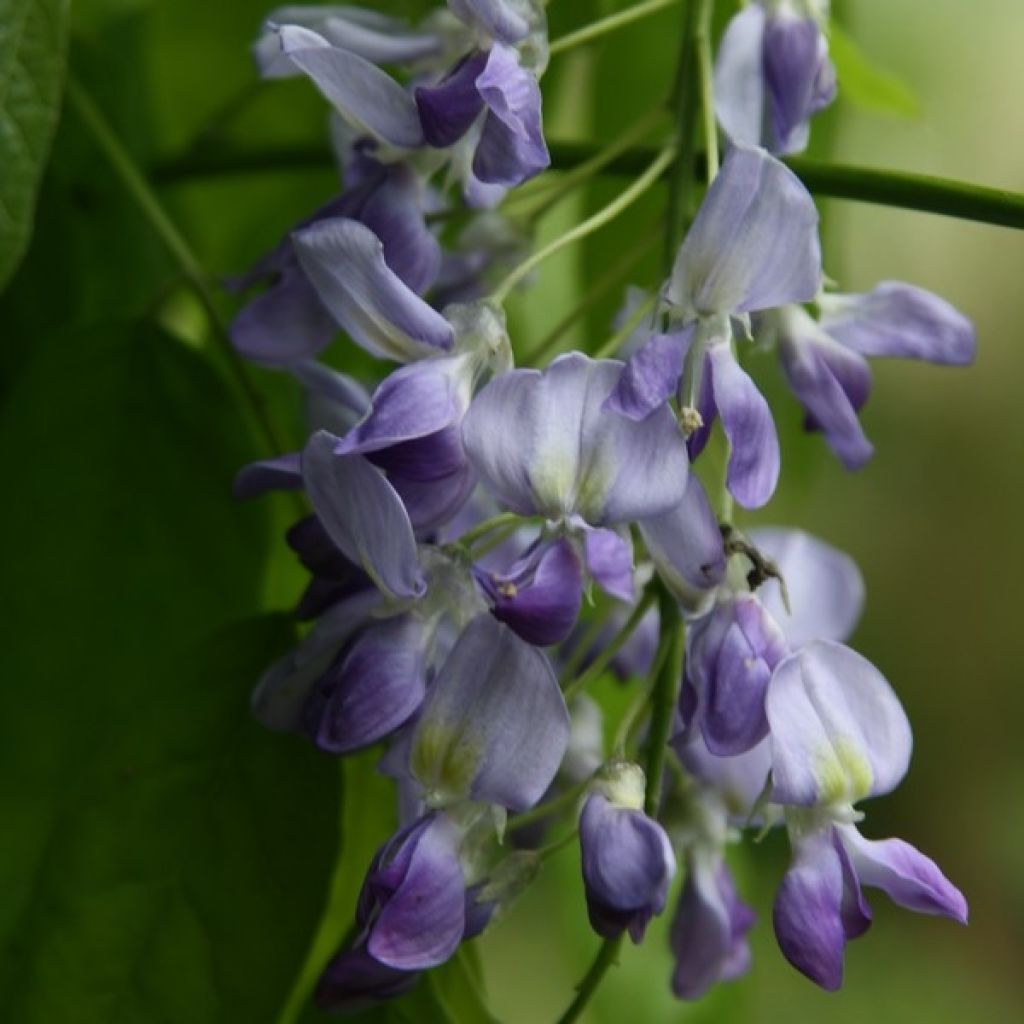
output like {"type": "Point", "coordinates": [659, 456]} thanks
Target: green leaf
{"type": "Point", "coordinates": [865, 85]}
{"type": "Point", "coordinates": [33, 41]}
{"type": "Point", "coordinates": [164, 858]}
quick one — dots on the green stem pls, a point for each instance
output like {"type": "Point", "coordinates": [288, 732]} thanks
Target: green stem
{"type": "Point", "coordinates": [139, 189]}
{"type": "Point", "coordinates": [595, 294]}
{"type": "Point", "coordinates": [606, 956]}
{"type": "Point", "coordinates": [544, 810]}
{"type": "Point", "coordinates": [901, 189]}
{"type": "Point", "coordinates": [707, 92]}
{"type": "Point", "coordinates": [558, 845]}
{"type": "Point", "coordinates": [612, 345]}
{"type": "Point", "coordinates": [474, 533]}
{"type": "Point", "coordinates": [590, 225]}
{"type": "Point", "coordinates": [631, 719]}
{"type": "Point", "coordinates": [586, 642]}
{"type": "Point", "coordinates": [665, 696]}
{"type": "Point", "coordinates": [600, 663]}
{"type": "Point", "coordinates": [596, 29]}
{"type": "Point", "coordinates": [583, 172]}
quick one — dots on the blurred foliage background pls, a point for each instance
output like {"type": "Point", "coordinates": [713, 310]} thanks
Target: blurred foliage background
{"type": "Point", "coordinates": [165, 860]}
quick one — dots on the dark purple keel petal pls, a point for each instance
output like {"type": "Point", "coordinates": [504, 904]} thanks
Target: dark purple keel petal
{"type": "Point", "coordinates": [432, 503]}
{"type": "Point", "coordinates": [281, 473]}
{"type": "Point", "coordinates": [449, 108]}
{"type": "Point", "coordinates": [354, 981]}
{"type": "Point", "coordinates": [374, 689]}
{"type": "Point", "coordinates": [628, 866]}
{"type": "Point", "coordinates": [651, 375]}
{"type": "Point", "coordinates": [754, 459]}
{"type": "Point", "coordinates": [494, 727]}
{"type": "Point", "coordinates": [540, 597]}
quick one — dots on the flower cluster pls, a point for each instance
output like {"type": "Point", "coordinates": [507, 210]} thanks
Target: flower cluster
{"type": "Point", "coordinates": [465, 512]}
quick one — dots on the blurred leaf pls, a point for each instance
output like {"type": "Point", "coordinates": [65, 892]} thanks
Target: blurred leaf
{"type": "Point", "coordinates": [865, 85]}
{"type": "Point", "coordinates": [164, 858]}
{"type": "Point", "coordinates": [33, 40]}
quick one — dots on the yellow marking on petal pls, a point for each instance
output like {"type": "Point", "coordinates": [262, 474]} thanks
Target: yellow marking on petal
{"type": "Point", "coordinates": [445, 760]}
{"type": "Point", "coordinates": [843, 772]}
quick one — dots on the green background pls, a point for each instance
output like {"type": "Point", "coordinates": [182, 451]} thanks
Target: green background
{"type": "Point", "coordinates": [162, 858]}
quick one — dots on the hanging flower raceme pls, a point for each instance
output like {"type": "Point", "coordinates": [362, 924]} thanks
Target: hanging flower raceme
{"type": "Point", "coordinates": [773, 74]}
{"type": "Point", "coordinates": [825, 360]}
{"type": "Point", "coordinates": [753, 246]}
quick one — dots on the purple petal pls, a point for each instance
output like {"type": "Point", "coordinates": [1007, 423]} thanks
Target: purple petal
{"type": "Point", "coordinates": [754, 244]}
{"type": "Point", "coordinates": [838, 731]}
{"type": "Point", "coordinates": [376, 687]}
{"type": "Point", "coordinates": [354, 980]}
{"type": "Point", "coordinates": [651, 375]}
{"type": "Point", "coordinates": [449, 108]}
{"type": "Point", "coordinates": [368, 98]}
{"type": "Point", "coordinates": [830, 382]}
{"type": "Point", "coordinates": [511, 147]}
{"type": "Point", "coordinates": [433, 502]}
{"type": "Point", "coordinates": [494, 726]}
{"type": "Point", "coordinates": [281, 473]}
{"type": "Point", "coordinates": [685, 544]}
{"type": "Point", "coordinates": [739, 77]}
{"type": "Point", "coordinates": [808, 911]}
{"type": "Point", "coordinates": [897, 319]}
{"type": "Point", "coordinates": [363, 515]}
{"type": "Point", "coordinates": [609, 559]}
{"type": "Point", "coordinates": [709, 930]}
{"type": "Point", "coordinates": [422, 921]}
{"type": "Point", "coordinates": [286, 323]}
{"type": "Point", "coordinates": [628, 866]}
{"type": "Point", "coordinates": [826, 589]}
{"type": "Point", "coordinates": [345, 261]}
{"type": "Point", "coordinates": [545, 445]}
{"type": "Point", "coordinates": [906, 875]}
{"type": "Point", "coordinates": [739, 781]}
{"type": "Point", "coordinates": [747, 420]}
{"type": "Point", "coordinates": [540, 597]}
{"type": "Point", "coordinates": [382, 41]}
{"type": "Point", "coordinates": [795, 53]}
{"type": "Point", "coordinates": [339, 389]}
{"type": "Point", "coordinates": [698, 440]}
{"type": "Point", "coordinates": [500, 19]}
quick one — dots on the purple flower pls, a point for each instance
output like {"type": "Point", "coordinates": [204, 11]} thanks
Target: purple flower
{"type": "Point", "coordinates": [628, 863]}
{"type": "Point", "coordinates": [509, 21]}
{"type": "Point", "coordinates": [839, 735]}
{"type": "Point", "coordinates": [825, 361]}
{"type": "Point", "coordinates": [753, 246]}
{"type": "Point", "coordinates": [772, 75]}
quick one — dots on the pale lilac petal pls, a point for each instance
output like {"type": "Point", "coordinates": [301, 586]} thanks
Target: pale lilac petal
{"type": "Point", "coordinates": [512, 147]}
{"type": "Point", "coordinates": [368, 98]}
{"type": "Point", "coordinates": [544, 444]}
{"type": "Point", "coordinates": [709, 930]}
{"type": "Point", "coordinates": [906, 875]}
{"type": "Point", "coordinates": [739, 77]}
{"type": "Point", "coordinates": [423, 919]}
{"type": "Point", "coordinates": [337, 388]}
{"type": "Point", "coordinates": [449, 108]}
{"type": "Point", "coordinates": [754, 460]}
{"type": "Point", "coordinates": [432, 503]}
{"type": "Point", "coordinates": [825, 587]}
{"type": "Point", "coordinates": [651, 375]}
{"type": "Point", "coordinates": [808, 911]}
{"type": "Point", "coordinates": [390, 41]}
{"type": "Point", "coordinates": [739, 780]}
{"type": "Point", "coordinates": [839, 733]}
{"type": "Point", "coordinates": [374, 689]}
{"type": "Point", "coordinates": [754, 244]}
{"type": "Point", "coordinates": [345, 261]}
{"type": "Point", "coordinates": [494, 727]}
{"type": "Point", "coordinates": [685, 544]}
{"type": "Point", "coordinates": [896, 319]}
{"type": "Point", "coordinates": [628, 865]}
{"type": "Point", "coordinates": [540, 596]}
{"type": "Point", "coordinates": [281, 473]}
{"type": "Point", "coordinates": [501, 19]}
{"type": "Point", "coordinates": [609, 558]}
{"type": "Point", "coordinates": [363, 515]}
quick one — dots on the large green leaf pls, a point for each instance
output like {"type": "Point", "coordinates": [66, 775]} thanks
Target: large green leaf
{"type": "Point", "coordinates": [33, 38]}
{"type": "Point", "coordinates": [865, 85]}
{"type": "Point", "coordinates": [164, 858]}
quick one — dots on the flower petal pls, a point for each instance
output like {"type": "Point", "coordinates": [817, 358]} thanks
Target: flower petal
{"type": "Point", "coordinates": [739, 78]}
{"type": "Point", "coordinates": [281, 473]}
{"type": "Point", "coordinates": [826, 589]}
{"type": "Point", "coordinates": [838, 731]}
{"type": "Point", "coordinates": [345, 261]}
{"type": "Point", "coordinates": [500, 19]}
{"type": "Point", "coordinates": [449, 108]}
{"type": "Point", "coordinates": [908, 877]}
{"type": "Point", "coordinates": [754, 459]}
{"type": "Point", "coordinates": [754, 244]}
{"type": "Point", "coordinates": [363, 515]}
{"type": "Point", "coordinates": [651, 375]}
{"type": "Point", "coordinates": [896, 319]}
{"type": "Point", "coordinates": [494, 727]}
{"type": "Point", "coordinates": [368, 98]}
{"type": "Point", "coordinates": [609, 558]}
